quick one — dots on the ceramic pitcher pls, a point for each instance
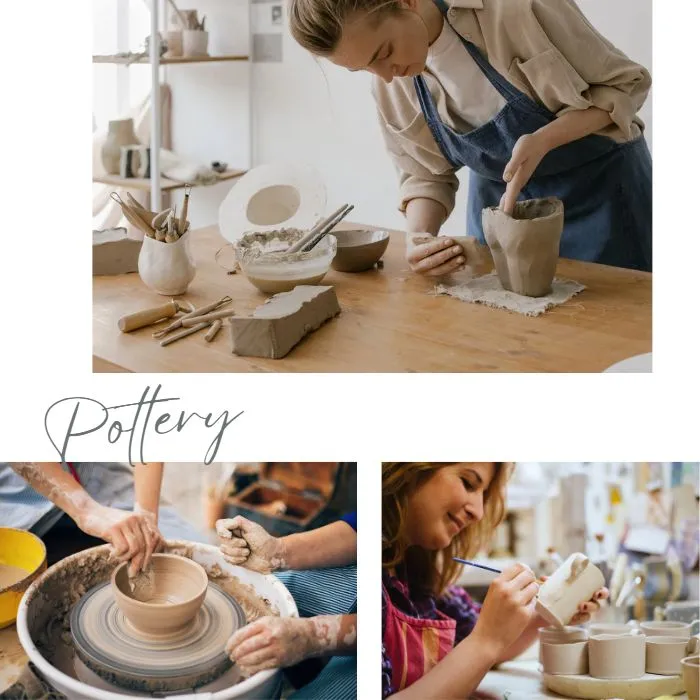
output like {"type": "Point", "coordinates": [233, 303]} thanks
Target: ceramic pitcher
{"type": "Point", "coordinates": [167, 268]}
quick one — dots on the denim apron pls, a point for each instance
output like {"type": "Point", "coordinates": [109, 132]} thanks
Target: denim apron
{"type": "Point", "coordinates": [605, 186]}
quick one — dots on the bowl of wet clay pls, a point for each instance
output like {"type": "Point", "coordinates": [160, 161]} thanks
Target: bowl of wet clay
{"type": "Point", "coordinates": [22, 560]}
{"type": "Point", "coordinates": [164, 601]}
{"type": "Point", "coordinates": [359, 250]}
{"type": "Point", "coordinates": [267, 266]}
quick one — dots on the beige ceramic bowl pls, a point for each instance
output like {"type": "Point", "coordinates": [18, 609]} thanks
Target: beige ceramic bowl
{"type": "Point", "coordinates": [560, 635]}
{"type": "Point", "coordinates": [664, 654]}
{"type": "Point", "coordinates": [359, 250]}
{"type": "Point", "coordinates": [670, 628]}
{"type": "Point", "coordinates": [617, 656]}
{"type": "Point", "coordinates": [690, 667]}
{"type": "Point", "coordinates": [179, 588]}
{"type": "Point", "coordinates": [565, 658]}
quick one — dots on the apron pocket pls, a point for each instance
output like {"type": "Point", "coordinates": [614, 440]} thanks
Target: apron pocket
{"type": "Point", "coordinates": [552, 80]}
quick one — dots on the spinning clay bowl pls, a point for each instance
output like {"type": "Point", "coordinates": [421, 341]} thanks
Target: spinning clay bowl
{"type": "Point", "coordinates": [263, 260]}
{"type": "Point", "coordinates": [359, 250]}
{"type": "Point", "coordinates": [233, 595]}
{"type": "Point", "coordinates": [174, 597]}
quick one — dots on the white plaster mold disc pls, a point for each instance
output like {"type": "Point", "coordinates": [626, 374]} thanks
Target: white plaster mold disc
{"type": "Point", "coordinates": [636, 364]}
{"type": "Point", "coordinates": [107, 644]}
{"type": "Point", "coordinates": [273, 196]}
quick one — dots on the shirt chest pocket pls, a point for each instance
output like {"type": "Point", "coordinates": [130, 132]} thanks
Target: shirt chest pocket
{"type": "Point", "coordinates": [552, 80]}
{"type": "Point", "coordinates": [415, 145]}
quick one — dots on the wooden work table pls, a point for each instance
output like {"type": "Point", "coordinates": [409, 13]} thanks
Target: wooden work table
{"type": "Point", "coordinates": [390, 322]}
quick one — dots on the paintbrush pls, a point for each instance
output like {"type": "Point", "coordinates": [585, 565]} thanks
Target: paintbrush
{"type": "Point", "coordinates": [478, 566]}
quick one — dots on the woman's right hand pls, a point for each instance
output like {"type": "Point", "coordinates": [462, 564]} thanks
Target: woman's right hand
{"type": "Point", "coordinates": [433, 256]}
{"type": "Point", "coordinates": [507, 609]}
{"type": "Point", "coordinates": [247, 544]}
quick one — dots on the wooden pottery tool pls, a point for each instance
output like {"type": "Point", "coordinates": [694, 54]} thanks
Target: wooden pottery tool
{"type": "Point", "coordinates": [315, 230]}
{"type": "Point", "coordinates": [213, 316]}
{"type": "Point", "coordinates": [145, 214]}
{"type": "Point", "coordinates": [184, 333]}
{"type": "Point", "coordinates": [182, 223]}
{"type": "Point", "coordinates": [196, 312]}
{"type": "Point", "coordinates": [327, 229]}
{"type": "Point", "coordinates": [160, 218]}
{"type": "Point", "coordinates": [212, 332]}
{"type": "Point", "coordinates": [132, 217]}
{"type": "Point", "coordinates": [147, 317]}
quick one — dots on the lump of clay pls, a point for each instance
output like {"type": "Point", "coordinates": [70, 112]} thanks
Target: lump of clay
{"type": "Point", "coordinates": [278, 325]}
{"type": "Point", "coordinates": [525, 246]}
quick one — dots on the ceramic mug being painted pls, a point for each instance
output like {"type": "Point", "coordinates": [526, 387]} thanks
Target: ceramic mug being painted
{"type": "Point", "coordinates": [574, 582]}
{"type": "Point", "coordinates": [617, 656]}
{"type": "Point", "coordinates": [690, 671]}
{"type": "Point", "coordinates": [669, 628]}
{"type": "Point", "coordinates": [565, 658]}
{"type": "Point", "coordinates": [664, 654]}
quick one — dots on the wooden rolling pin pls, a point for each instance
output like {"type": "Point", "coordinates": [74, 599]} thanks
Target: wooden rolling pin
{"type": "Point", "coordinates": [147, 317]}
{"type": "Point", "coordinates": [194, 320]}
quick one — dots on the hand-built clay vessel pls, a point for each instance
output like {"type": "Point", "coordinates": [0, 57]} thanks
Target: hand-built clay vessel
{"type": "Point", "coordinates": [669, 628]}
{"type": "Point", "coordinates": [121, 133]}
{"type": "Point", "coordinates": [359, 250]}
{"type": "Point", "coordinates": [664, 654]}
{"type": "Point", "coordinates": [616, 656]}
{"type": "Point", "coordinates": [565, 658]}
{"type": "Point", "coordinates": [574, 582]}
{"type": "Point", "coordinates": [179, 587]}
{"type": "Point", "coordinates": [167, 268]}
{"type": "Point", "coordinates": [525, 246]}
{"type": "Point", "coordinates": [691, 676]}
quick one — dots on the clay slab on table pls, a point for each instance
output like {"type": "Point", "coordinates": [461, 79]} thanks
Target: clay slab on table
{"type": "Point", "coordinates": [278, 325]}
{"type": "Point", "coordinates": [114, 253]}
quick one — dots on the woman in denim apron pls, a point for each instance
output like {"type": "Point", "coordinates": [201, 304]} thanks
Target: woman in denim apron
{"type": "Point", "coordinates": [605, 184]}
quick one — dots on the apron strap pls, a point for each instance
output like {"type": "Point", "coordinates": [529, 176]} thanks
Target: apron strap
{"type": "Point", "coordinates": [507, 91]}
{"type": "Point", "coordinates": [73, 471]}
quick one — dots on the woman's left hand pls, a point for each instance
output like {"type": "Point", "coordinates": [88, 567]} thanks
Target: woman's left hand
{"type": "Point", "coordinates": [585, 610]}
{"type": "Point", "coordinates": [528, 152]}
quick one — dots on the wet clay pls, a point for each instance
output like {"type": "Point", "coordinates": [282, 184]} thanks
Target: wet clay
{"type": "Point", "coordinates": [174, 598]}
{"type": "Point", "coordinates": [51, 603]}
{"type": "Point", "coordinates": [525, 246]}
{"type": "Point", "coordinates": [10, 575]}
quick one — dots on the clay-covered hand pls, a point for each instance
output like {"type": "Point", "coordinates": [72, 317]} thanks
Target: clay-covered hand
{"type": "Point", "coordinates": [134, 536]}
{"type": "Point", "coordinates": [275, 642]}
{"type": "Point", "coordinates": [433, 256]}
{"type": "Point", "coordinates": [248, 544]}
{"type": "Point", "coordinates": [507, 609]}
{"type": "Point", "coordinates": [528, 152]}
{"type": "Point", "coordinates": [586, 609]}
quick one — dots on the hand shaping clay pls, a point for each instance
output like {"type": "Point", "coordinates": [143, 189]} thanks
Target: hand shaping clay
{"type": "Point", "coordinates": [525, 247]}
{"type": "Point", "coordinates": [114, 253]}
{"type": "Point", "coordinates": [278, 325]}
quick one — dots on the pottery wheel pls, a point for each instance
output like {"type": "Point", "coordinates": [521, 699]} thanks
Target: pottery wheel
{"type": "Point", "coordinates": [107, 643]}
{"type": "Point", "coordinates": [645, 688]}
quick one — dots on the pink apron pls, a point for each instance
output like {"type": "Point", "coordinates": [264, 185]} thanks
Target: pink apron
{"type": "Point", "coordinates": [414, 645]}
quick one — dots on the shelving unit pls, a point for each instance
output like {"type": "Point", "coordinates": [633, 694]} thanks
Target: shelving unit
{"type": "Point", "coordinates": [157, 184]}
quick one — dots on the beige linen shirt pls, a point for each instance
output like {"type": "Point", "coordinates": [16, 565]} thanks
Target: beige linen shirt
{"type": "Point", "coordinates": [545, 48]}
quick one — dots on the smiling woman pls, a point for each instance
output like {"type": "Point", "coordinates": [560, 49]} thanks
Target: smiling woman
{"type": "Point", "coordinates": [437, 641]}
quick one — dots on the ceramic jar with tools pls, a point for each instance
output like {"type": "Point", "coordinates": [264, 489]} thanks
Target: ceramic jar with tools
{"type": "Point", "coordinates": [165, 262]}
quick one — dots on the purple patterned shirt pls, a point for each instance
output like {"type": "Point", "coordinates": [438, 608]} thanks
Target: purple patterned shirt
{"type": "Point", "coordinates": [455, 603]}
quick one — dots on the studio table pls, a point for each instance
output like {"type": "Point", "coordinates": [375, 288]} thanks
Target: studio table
{"type": "Point", "coordinates": [390, 322]}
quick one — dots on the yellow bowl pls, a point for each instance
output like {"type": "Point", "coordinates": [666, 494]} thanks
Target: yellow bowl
{"type": "Point", "coordinates": [23, 550]}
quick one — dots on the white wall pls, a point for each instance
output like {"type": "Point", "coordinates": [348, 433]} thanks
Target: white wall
{"type": "Point", "coordinates": [311, 111]}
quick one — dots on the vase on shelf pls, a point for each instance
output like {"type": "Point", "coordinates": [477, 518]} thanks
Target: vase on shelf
{"type": "Point", "coordinates": [120, 133]}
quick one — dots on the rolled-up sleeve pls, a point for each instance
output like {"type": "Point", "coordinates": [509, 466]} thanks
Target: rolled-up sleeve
{"type": "Point", "coordinates": [422, 169]}
{"type": "Point", "coordinates": [604, 76]}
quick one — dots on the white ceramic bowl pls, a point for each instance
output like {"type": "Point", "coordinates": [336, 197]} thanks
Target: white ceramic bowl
{"type": "Point", "coordinates": [32, 619]}
{"type": "Point", "coordinates": [664, 654]}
